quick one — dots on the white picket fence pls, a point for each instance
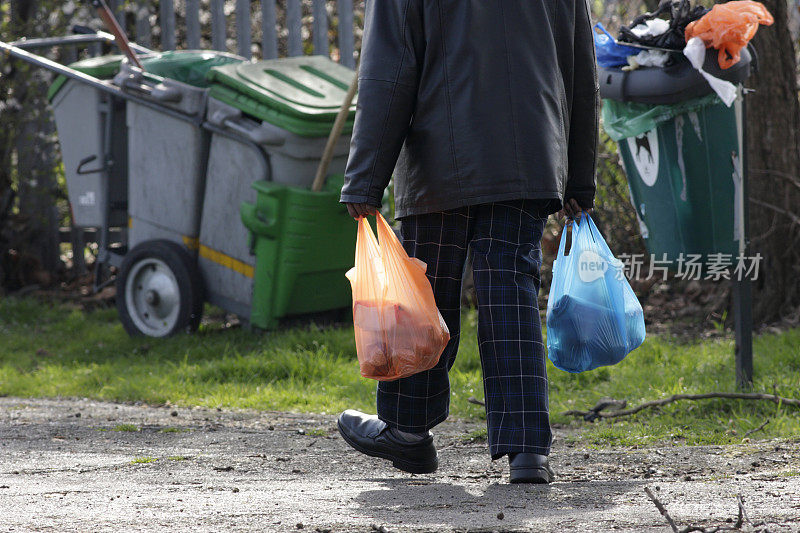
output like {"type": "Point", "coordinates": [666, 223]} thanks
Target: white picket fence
{"type": "Point", "coordinates": [210, 15]}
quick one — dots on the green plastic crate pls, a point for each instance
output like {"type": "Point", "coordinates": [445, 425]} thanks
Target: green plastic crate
{"type": "Point", "coordinates": [304, 243]}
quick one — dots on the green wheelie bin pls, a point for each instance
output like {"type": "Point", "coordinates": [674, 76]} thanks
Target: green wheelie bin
{"type": "Point", "coordinates": [681, 149]}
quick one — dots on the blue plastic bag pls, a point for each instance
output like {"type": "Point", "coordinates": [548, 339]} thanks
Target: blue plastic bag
{"type": "Point", "coordinates": [593, 316]}
{"type": "Point", "coordinates": [609, 53]}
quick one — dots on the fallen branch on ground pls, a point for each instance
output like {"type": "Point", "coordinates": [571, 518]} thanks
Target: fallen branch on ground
{"type": "Point", "coordinates": [597, 411]}
{"type": "Point", "coordinates": [759, 428]}
{"type": "Point", "coordinates": [737, 526]}
{"type": "Point", "coordinates": [473, 399]}
{"type": "Point", "coordinates": [661, 509]}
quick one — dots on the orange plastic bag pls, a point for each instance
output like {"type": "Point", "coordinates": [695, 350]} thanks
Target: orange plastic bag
{"type": "Point", "coordinates": [399, 330]}
{"type": "Point", "coordinates": [729, 27]}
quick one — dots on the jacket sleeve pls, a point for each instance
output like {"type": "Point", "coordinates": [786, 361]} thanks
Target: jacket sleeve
{"type": "Point", "coordinates": [392, 50]}
{"type": "Point", "coordinates": [582, 147]}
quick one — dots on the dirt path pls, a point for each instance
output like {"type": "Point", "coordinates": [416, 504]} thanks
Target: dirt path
{"type": "Point", "coordinates": [64, 468]}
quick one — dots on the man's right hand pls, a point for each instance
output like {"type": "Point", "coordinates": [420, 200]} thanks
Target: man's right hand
{"type": "Point", "coordinates": [573, 210]}
{"type": "Point", "coordinates": [361, 210]}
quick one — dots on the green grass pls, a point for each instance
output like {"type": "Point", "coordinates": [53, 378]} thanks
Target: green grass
{"type": "Point", "coordinates": [143, 460]}
{"type": "Point", "coordinates": [174, 430]}
{"type": "Point", "coordinates": [177, 458]}
{"type": "Point", "coordinates": [125, 427]}
{"type": "Point", "coordinates": [49, 350]}
{"type": "Point", "coordinates": [479, 434]}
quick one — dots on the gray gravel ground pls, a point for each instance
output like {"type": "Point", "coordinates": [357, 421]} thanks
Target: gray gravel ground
{"type": "Point", "coordinates": [64, 468]}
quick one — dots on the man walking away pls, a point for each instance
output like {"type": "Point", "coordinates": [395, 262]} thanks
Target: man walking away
{"type": "Point", "coordinates": [486, 111]}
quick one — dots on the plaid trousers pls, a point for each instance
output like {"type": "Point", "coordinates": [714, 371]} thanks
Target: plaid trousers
{"type": "Point", "coordinates": [504, 240]}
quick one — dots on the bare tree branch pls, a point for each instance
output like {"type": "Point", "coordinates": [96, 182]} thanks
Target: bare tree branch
{"type": "Point", "coordinates": [794, 218]}
{"type": "Point", "coordinates": [788, 177]}
{"type": "Point", "coordinates": [473, 399]}
{"type": "Point", "coordinates": [661, 509]}
{"type": "Point", "coordinates": [737, 526]}
{"type": "Point", "coordinates": [597, 411]}
{"type": "Point", "coordinates": [759, 428]}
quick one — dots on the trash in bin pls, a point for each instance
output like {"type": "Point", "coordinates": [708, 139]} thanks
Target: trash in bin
{"type": "Point", "coordinates": [648, 58]}
{"type": "Point", "coordinates": [729, 27]}
{"type": "Point", "coordinates": [609, 53]}
{"type": "Point", "coordinates": [651, 31]}
{"type": "Point", "coordinates": [681, 148]}
{"type": "Point", "coordinates": [664, 75]}
{"type": "Point", "coordinates": [695, 51]}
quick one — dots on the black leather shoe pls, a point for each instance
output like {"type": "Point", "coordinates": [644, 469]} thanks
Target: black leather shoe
{"type": "Point", "coordinates": [371, 436]}
{"type": "Point", "coordinates": [530, 468]}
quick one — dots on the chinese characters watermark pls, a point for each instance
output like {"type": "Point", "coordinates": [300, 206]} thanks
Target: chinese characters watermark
{"type": "Point", "coordinates": [713, 267]}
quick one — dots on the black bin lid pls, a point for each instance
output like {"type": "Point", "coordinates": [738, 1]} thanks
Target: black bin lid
{"type": "Point", "coordinates": [671, 84]}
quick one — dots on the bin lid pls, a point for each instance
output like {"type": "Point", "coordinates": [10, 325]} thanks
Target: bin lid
{"type": "Point", "coordinates": [300, 94]}
{"type": "Point", "coordinates": [671, 84]}
{"type": "Point", "coordinates": [188, 66]}
{"type": "Point", "coordinates": [103, 67]}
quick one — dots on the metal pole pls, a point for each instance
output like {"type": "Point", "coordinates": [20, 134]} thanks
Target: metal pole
{"type": "Point", "coordinates": [742, 288]}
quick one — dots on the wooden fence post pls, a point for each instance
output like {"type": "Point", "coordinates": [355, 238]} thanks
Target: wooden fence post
{"type": "Point", "coordinates": [143, 32]}
{"type": "Point", "coordinates": [269, 36]}
{"type": "Point", "coordinates": [294, 23]}
{"type": "Point", "coordinates": [243, 30]}
{"type": "Point", "coordinates": [320, 34]}
{"type": "Point", "coordinates": [167, 14]}
{"type": "Point", "coordinates": [345, 34]}
{"type": "Point", "coordinates": [193, 24]}
{"type": "Point", "coordinates": [218, 32]}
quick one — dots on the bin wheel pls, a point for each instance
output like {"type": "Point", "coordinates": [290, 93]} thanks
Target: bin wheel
{"type": "Point", "coordinates": [159, 290]}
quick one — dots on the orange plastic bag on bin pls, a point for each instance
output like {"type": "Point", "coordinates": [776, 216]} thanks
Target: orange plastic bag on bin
{"type": "Point", "coordinates": [399, 330]}
{"type": "Point", "coordinates": [729, 27]}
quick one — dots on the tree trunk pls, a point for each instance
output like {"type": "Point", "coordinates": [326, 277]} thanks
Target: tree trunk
{"type": "Point", "coordinates": [773, 122]}
{"type": "Point", "coordinates": [38, 188]}
{"type": "Point", "coordinates": [36, 155]}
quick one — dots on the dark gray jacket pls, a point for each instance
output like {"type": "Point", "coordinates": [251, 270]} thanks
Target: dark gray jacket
{"type": "Point", "coordinates": [474, 101]}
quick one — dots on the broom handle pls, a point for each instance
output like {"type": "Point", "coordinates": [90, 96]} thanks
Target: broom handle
{"type": "Point", "coordinates": [119, 35]}
{"type": "Point", "coordinates": [336, 132]}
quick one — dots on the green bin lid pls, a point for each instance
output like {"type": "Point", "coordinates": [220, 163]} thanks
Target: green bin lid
{"type": "Point", "coordinates": [103, 67]}
{"type": "Point", "coordinates": [187, 66]}
{"type": "Point", "coordinates": [300, 94]}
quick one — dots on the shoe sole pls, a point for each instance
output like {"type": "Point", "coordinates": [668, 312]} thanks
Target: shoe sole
{"type": "Point", "coordinates": [400, 464]}
{"type": "Point", "coordinates": [539, 476]}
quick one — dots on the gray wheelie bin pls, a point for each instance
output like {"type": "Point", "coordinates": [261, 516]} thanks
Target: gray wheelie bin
{"type": "Point", "coordinates": [167, 145]}
{"type": "Point", "coordinates": [269, 121]}
{"type": "Point", "coordinates": [159, 287]}
{"type": "Point", "coordinates": [85, 118]}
